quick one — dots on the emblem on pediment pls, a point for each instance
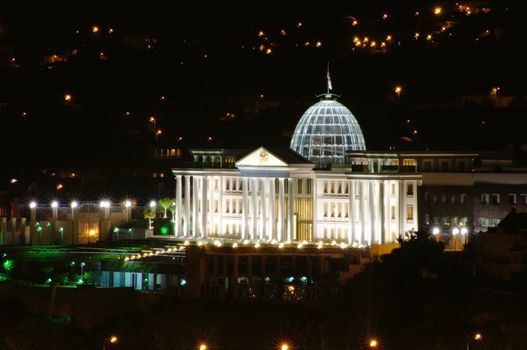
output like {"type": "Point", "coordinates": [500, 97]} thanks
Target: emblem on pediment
{"type": "Point", "coordinates": [264, 157]}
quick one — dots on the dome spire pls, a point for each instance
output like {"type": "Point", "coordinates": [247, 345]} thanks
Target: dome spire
{"type": "Point", "coordinates": [328, 77]}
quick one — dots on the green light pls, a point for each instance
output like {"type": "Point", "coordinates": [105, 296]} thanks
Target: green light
{"type": "Point", "coordinates": [115, 230]}
{"type": "Point", "coordinates": [8, 265]}
{"type": "Point", "coordinates": [163, 230]}
{"type": "Point", "coordinates": [39, 228]}
{"type": "Point", "coordinates": [61, 229]}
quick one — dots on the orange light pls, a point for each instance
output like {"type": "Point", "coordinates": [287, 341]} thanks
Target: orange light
{"type": "Point", "coordinates": [159, 132]}
{"type": "Point", "coordinates": [354, 22]}
{"type": "Point", "coordinates": [438, 10]}
{"type": "Point", "coordinates": [114, 339]}
{"type": "Point", "coordinates": [95, 29]}
{"type": "Point", "coordinates": [373, 343]}
{"type": "Point", "coordinates": [67, 97]}
{"type": "Point", "coordinates": [92, 232]}
{"type": "Point", "coordinates": [110, 30]}
{"type": "Point", "coordinates": [60, 187]}
{"type": "Point", "coordinates": [152, 119]}
{"type": "Point", "coordinates": [478, 336]}
{"type": "Point", "coordinates": [398, 89]}
{"type": "Point", "coordinates": [203, 347]}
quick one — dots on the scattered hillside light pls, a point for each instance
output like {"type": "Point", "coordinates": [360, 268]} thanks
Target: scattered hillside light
{"type": "Point", "coordinates": [110, 30]}
{"type": "Point", "coordinates": [268, 51]}
{"type": "Point", "coordinates": [13, 181]}
{"type": "Point", "coordinates": [104, 204]}
{"type": "Point", "coordinates": [72, 263]}
{"type": "Point", "coordinates": [162, 98]}
{"type": "Point", "coordinates": [67, 97]}
{"type": "Point", "coordinates": [318, 44]}
{"type": "Point", "coordinates": [436, 230]}
{"type": "Point", "coordinates": [183, 282]}
{"type": "Point", "coordinates": [59, 187]}
{"type": "Point", "coordinates": [128, 203]}
{"type": "Point", "coordinates": [455, 231]}
{"type": "Point", "coordinates": [416, 35]}
{"type": "Point", "coordinates": [283, 32]}
{"type": "Point", "coordinates": [354, 22]}
{"type": "Point", "coordinates": [95, 29]}
{"type": "Point", "coordinates": [48, 280]}
{"type": "Point", "coordinates": [203, 347]}
{"type": "Point", "coordinates": [373, 343]}
{"type": "Point", "coordinates": [284, 346]}
{"type": "Point", "coordinates": [385, 16]}
{"type": "Point", "coordinates": [127, 114]}
{"type": "Point", "coordinates": [152, 204]}
{"type": "Point", "coordinates": [32, 204]}
{"type": "Point", "coordinates": [261, 33]}
{"type": "Point", "coordinates": [24, 114]}
{"type": "Point", "coordinates": [299, 24]}
{"type": "Point", "coordinates": [54, 204]}
{"type": "Point", "coordinates": [209, 139]}
{"type": "Point", "coordinates": [388, 38]}
{"type": "Point", "coordinates": [478, 336]}
{"type": "Point", "coordinates": [74, 204]}
{"type": "Point", "coordinates": [159, 132]}
{"type": "Point", "coordinates": [438, 10]}
{"type": "Point", "coordinates": [464, 230]}
{"type": "Point", "coordinates": [115, 230]}
{"type": "Point", "coordinates": [429, 37]}
{"type": "Point", "coordinates": [114, 339]}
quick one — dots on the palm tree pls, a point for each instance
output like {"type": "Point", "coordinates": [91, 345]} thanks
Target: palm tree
{"type": "Point", "coordinates": [166, 203]}
{"type": "Point", "coordinates": [150, 214]}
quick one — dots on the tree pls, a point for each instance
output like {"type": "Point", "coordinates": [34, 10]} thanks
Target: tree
{"type": "Point", "coordinates": [166, 203]}
{"type": "Point", "coordinates": [150, 214]}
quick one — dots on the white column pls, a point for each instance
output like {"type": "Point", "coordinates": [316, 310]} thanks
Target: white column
{"type": "Point", "coordinates": [220, 204]}
{"type": "Point", "coordinates": [212, 205]}
{"type": "Point", "coordinates": [254, 208]}
{"type": "Point", "coordinates": [290, 218]}
{"type": "Point", "coordinates": [244, 208]}
{"type": "Point", "coordinates": [203, 207]}
{"type": "Point", "coordinates": [263, 211]}
{"type": "Point", "coordinates": [351, 217]}
{"type": "Point", "coordinates": [380, 212]}
{"type": "Point", "coordinates": [195, 206]}
{"type": "Point", "coordinates": [177, 223]}
{"type": "Point", "coordinates": [362, 204]}
{"type": "Point", "coordinates": [371, 200]}
{"type": "Point", "coordinates": [281, 204]}
{"type": "Point", "coordinates": [186, 227]}
{"type": "Point", "coordinates": [272, 219]}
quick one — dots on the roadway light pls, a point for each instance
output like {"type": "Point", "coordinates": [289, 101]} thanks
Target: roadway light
{"type": "Point", "coordinates": [373, 343]}
{"type": "Point", "coordinates": [152, 204]}
{"type": "Point", "coordinates": [478, 336]}
{"type": "Point", "coordinates": [203, 346]}
{"type": "Point", "coordinates": [32, 204]}
{"type": "Point", "coordinates": [438, 10]}
{"type": "Point", "coordinates": [464, 230]}
{"type": "Point", "coordinates": [455, 231]}
{"type": "Point", "coordinates": [54, 204]}
{"type": "Point", "coordinates": [104, 204]}
{"type": "Point", "coordinates": [284, 346]}
{"type": "Point", "coordinates": [128, 203]}
{"type": "Point", "coordinates": [74, 204]}
{"type": "Point", "coordinates": [436, 230]}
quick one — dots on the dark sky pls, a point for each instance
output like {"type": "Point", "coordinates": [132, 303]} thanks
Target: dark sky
{"type": "Point", "coordinates": [206, 60]}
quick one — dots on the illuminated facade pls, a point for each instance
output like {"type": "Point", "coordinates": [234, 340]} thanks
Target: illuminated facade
{"type": "Point", "coordinates": [278, 196]}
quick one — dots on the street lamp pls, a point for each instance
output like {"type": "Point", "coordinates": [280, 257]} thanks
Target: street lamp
{"type": "Point", "coordinates": [112, 340]}
{"type": "Point", "coordinates": [284, 346]}
{"type": "Point", "coordinates": [477, 337]}
{"type": "Point", "coordinates": [398, 89]}
{"type": "Point", "coordinates": [32, 204]}
{"type": "Point", "coordinates": [202, 346]}
{"type": "Point", "coordinates": [373, 344]}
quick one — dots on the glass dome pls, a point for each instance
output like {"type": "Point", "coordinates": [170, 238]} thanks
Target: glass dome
{"type": "Point", "coordinates": [326, 131]}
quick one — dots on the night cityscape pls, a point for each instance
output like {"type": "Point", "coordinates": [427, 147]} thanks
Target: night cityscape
{"type": "Point", "coordinates": [268, 176]}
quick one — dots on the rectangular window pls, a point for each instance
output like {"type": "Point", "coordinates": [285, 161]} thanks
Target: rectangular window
{"type": "Point", "coordinates": [409, 190]}
{"type": "Point", "coordinates": [461, 166]}
{"type": "Point", "coordinates": [427, 219]}
{"type": "Point", "coordinates": [485, 199]}
{"type": "Point", "coordinates": [339, 210]}
{"type": "Point", "coordinates": [444, 165]}
{"type": "Point", "coordinates": [393, 213]}
{"type": "Point", "coordinates": [512, 198]}
{"type": "Point", "coordinates": [427, 197]}
{"type": "Point", "coordinates": [427, 166]}
{"type": "Point", "coordinates": [463, 220]}
{"type": "Point", "coordinates": [462, 197]}
{"type": "Point", "coordinates": [332, 210]}
{"type": "Point", "coordinates": [325, 210]}
{"type": "Point", "coordinates": [455, 220]}
{"type": "Point", "coordinates": [227, 206]}
{"type": "Point", "coordinates": [346, 210]}
{"type": "Point", "coordinates": [437, 220]}
{"type": "Point", "coordinates": [495, 198]}
{"type": "Point", "coordinates": [443, 199]}
{"type": "Point", "coordinates": [409, 212]}
{"type": "Point", "coordinates": [393, 189]}
{"type": "Point", "coordinates": [434, 198]}
{"type": "Point", "coordinates": [325, 187]}
{"type": "Point", "coordinates": [483, 222]}
{"type": "Point", "coordinates": [494, 222]}
{"type": "Point", "coordinates": [227, 184]}
{"type": "Point", "coordinates": [446, 220]}
{"type": "Point", "coordinates": [339, 187]}
{"type": "Point", "coordinates": [453, 199]}
{"type": "Point", "coordinates": [523, 198]}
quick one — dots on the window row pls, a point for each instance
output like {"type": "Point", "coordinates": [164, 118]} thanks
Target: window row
{"type": "Point", "coordinates": [446, 220]}
{"type": "Point", "coordinates": [496, 198]}
{"type": "Point", "coordinates": [453, 198]}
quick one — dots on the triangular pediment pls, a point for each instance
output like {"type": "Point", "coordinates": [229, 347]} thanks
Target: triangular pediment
{"type": "Point", "coordinates": [261, 157]}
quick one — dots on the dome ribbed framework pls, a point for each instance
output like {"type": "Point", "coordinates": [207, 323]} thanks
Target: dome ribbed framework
{"type": "Point", "coordinates": [326, 131]}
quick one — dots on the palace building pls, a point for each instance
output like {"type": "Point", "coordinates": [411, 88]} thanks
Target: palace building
{"type": "Point", "coordinates": [308, 193]}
